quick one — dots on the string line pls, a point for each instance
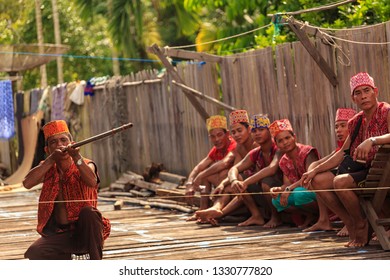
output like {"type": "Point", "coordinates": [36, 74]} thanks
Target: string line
{"type": "Point", "coordinates": [229, 194]}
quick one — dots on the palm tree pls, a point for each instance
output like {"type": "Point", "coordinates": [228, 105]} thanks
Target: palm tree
{"type": "Point", "coordinates": [131, 24]}
{"type": "Point", "coordinates": [38, 16]}
{"type": "Point", "coordinates": [57, 34]}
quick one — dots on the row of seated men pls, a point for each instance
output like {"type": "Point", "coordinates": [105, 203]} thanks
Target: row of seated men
{"type": "Point", "coordinates": [259, 166]}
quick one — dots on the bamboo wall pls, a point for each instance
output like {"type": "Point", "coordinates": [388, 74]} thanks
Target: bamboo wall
{"type": "Point", "coordinates": [284, 82]}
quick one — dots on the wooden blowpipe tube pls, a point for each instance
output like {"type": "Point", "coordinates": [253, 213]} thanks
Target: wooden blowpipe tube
{"type": "Point", "coordinates": [101, 135]}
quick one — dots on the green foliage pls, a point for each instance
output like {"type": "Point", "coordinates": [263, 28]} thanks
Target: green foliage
{"type": "Point", "coordinates": [232, 17]}
{"type": "Point", "coordinates": [93, 27]}
{"type": "Point", "coordinates": [13, 16]}
{"type": "Point", "coordinates": [85, 40]}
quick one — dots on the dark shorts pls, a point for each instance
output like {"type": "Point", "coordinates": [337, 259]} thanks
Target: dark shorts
{"type": "Point", "coordinates": [360, 177]}
{"type": "Point", "coordinates": [272, 181]}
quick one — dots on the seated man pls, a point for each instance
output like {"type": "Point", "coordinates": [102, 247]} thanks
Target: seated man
{"type": "Point", "coordinates": [343, 115]}
{"type": "Point", "coordinates": [257, 159]}
{"type": "Point", "coordinates": [240, 131]}
{"type": "Point", "coordinates": [223, 145]}
{"type": "Point", "coordinates": [291, 196]}
{"type": "Point", "coordinates": [367, 129]}
{"type": "Point", "coordinates": [68, 220]}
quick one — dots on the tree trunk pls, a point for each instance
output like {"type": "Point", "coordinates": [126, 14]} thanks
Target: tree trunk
{"type": "Point", "coordinates": [38, 17]}
{"type": "Point", "coordinates": [57, 34]}
{"type": "Point", "coordinates": [115, 62]}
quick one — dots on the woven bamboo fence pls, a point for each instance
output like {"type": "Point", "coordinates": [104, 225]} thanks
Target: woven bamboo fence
{"type": "Point", "coordinates": [283, 82]}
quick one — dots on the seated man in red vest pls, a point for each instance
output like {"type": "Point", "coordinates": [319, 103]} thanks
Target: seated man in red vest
{"type": "Point", "coordinates": [367, 129]}
{"type": "Point", "coordinates": [291, 197]}
{"type": "Point", "coordinates": [68, 220]}
{"type": "Point", "coordinates": [223, 144]}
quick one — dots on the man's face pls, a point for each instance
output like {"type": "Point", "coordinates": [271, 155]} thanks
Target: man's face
{"type": "Point", "coordinates": [58, 141]}
{"type": "Point", "coordinates": [219, 138]}
{"type": "Point", "coordinates": [365, 97]}
{"type": "Point", "coordinates": [240, 133]}
{"type": "Point", "coordinates": [341, 129]}
{"type": "Point", "coordinates": [260, 135]}
{"type": "Point", "coordinates": [285, 141]}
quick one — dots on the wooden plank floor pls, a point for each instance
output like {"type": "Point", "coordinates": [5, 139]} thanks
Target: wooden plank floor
{"type": "Point", "coordinates": [140, 233]}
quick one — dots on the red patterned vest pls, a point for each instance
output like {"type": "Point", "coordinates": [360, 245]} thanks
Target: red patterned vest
{"type": "Point", "coordinates": [295, 172]}
{"type": "Point", "coordinates": [377, 126]}
{"type": "Point", "coordinates": [74, 191]}
{"type": "Point", "coordinates": [256, 156]}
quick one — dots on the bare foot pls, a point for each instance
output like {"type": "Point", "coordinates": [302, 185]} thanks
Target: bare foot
{"type": "Point", "coordinates": [319, 226]}
{"type": "Point", "coordinates": [375, 238]}
{"type": "Point", "coordinates": [334, 218]}
{"type": "Point", "coordinates": [192, 218]}
{"type": "Point", "coordinates": [259, 221]}
{"type": "Point", "coordinates": [343, 232]}
{"type": "Point", "coordinates": [210, 221]}
{"type": "Point", "coordinates": [207, 214]}
{"type": "Point", "coordinates": [361, 238]}
{"type": "Point", "coordinates": [202, 221]}
{"type": "Point", "coordinates": [308, 220]}
{"type": "Point", "coordinates": [214, 222]}
{"type": "Point", "coordinates": [273, 223]}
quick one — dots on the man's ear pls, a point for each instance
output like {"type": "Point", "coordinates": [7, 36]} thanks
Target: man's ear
{"type": "Point", "coordinates": [46, 150]}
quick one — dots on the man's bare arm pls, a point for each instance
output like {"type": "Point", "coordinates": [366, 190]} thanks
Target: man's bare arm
{"type": "Point", "coordinates": [267, 171]}
{"type": "Point", "coordinates": [244, 164]}
{"type": "Point", "coordinates": [36, 175]}
{"type": "Point", "coordinates": [225, 163]}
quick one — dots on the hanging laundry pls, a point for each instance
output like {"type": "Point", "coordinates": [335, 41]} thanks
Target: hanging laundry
{"type": "Point", "coordinates": [77, 96]}
{"type": "Point", "coordinates": [58, 102]}
{"type": "Point", "coordinates": [7, 121]}
{"type": "Point", "coordinates": [19, 101]}
{"type": "Point", "coordinates": [89, 89]}
{"type": "Point", "coordinates": [35, 96]}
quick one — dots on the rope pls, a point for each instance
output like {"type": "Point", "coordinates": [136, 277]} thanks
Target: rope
{"type": "Point", "coordinates": [320, 30]}
{"type": "Point", "coordinates": [222, 39]}
{"type": "Point", "coordinates": [230, 194]}
{"type": "Point", "coordinates": [344, 29]}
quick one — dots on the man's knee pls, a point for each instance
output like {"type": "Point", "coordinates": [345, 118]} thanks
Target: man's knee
{"type": "Point", "coordinates": [321, 181]}
{"type": "Point", "coordinates": [343, 181]}
{"type": "Point", "coordinates": [89, 212]}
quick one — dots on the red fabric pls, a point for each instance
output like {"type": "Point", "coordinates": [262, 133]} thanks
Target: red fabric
{"type": "Point", "coordinates": [361, 79]}
{"type": "Point", "coordinates": [256, 156]}
{"type": "Point", "coordinates": [295, 172]}
{"type": "Point", "coordinates": [218, 154]}
{"type": "Point", "coordinates": [73, 190]}
{"type": "Point", "coordinates": [55, 127]}
{"type": "Point", "coordinates": [280, 125]}
{"type": "Point", "coordinates": [344, 114]}
{"type": "Point", "coordinates": [377, 126]}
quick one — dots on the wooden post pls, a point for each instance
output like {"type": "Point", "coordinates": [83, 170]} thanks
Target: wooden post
{"type": "Point", "coordinates": [205, 97]}
{"type": "Point", "coordinates": [193, 55]}
{"type": "Point", "coordinates": [157, 51]}
{"type": "Point", "coordinates": [324, 66]}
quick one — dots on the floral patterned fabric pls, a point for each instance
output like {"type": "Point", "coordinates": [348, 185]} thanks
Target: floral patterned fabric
{"type": "Point", "coordinates": [7, 120]}
{"type": "Point", "coordinates": [295, 171]}
{"type": "Point", "coordinates": [377, 126]}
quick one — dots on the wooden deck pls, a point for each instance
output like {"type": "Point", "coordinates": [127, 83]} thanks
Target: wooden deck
{"type": "Point", "coordinates": [140, 233]}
